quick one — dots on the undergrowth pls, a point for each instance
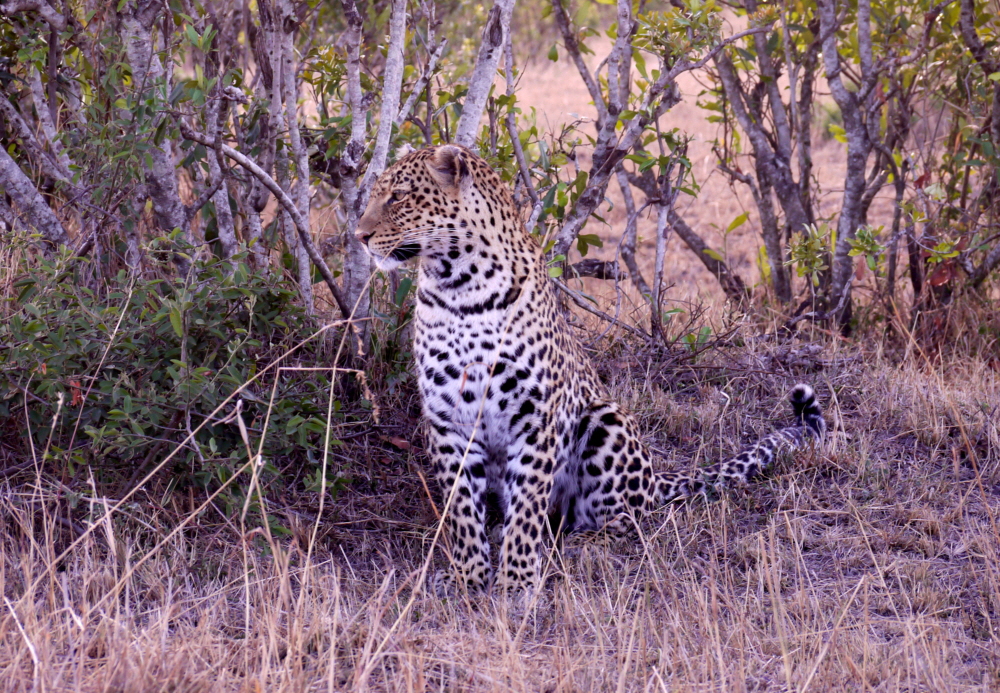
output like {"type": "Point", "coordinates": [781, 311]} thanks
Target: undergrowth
{"type": "Point", "coordinates": [102, 379]}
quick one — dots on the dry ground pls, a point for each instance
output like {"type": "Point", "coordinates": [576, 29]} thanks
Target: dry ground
{"type": "Point", "coordinates": [872, 564]}
{"type": "Point", "coordinates": [869, 565]}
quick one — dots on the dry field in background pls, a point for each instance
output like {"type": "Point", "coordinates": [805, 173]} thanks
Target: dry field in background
{"type": "Point", "coordinates": [870, 565]}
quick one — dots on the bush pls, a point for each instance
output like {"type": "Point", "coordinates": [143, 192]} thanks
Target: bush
{"type": "Point", "coordinates": [114, 377]}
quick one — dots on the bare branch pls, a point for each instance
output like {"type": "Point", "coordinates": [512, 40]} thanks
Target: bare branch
{"type": "Point", "coordinates": [618, 77]}
{"type": "Point", "coordinates": [573, 48]}
{"type": "Point", "coordinates": [50, 15]}
{"type": "Point", "coordinates": [629, 236]}
{"type": "Point", "coordinates": [49, 164]}
{"type": "Point", "coordinates": [582, 303]}
{"type": "Point", "coordinates": [608, 153]}
{"type": "Point", "coordinates": [859, 147]}
{"type": "Point", "coordinates": [732, 284]}
{"type": "Point", "coordinates": [392, 82]}
{"type": "Point", "coordinates": [522, 162]}
{"type": "Point", "coordinates": [921, 49]}
{"type": "Point", "coordinates": [283, 199]}
{"type": "Point", "coordinates": [497, 27]}
{"type": "Point", "coordinates": [357, 262]}
{"type": "Point", "coordinates": [148, 74]}
{"type": "Point", "coordinates": [299, 153]}
{"type": "Point", "coordinates": [967, 21]}
{"type": "Point", "coordinates": [421, 84]}
{"type": "Point", "coordinates": [967, 17]}
{"type": "Point", "coordinates": [44, 111]}
{"type": "Point", "coordinates": [214, 185]}
{"type": "Point", "coordinates": [30, 203]}
{"type": "Point", "coordinates": [656, 321]}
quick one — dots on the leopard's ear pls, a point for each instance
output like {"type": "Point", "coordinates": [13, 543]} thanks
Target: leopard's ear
{"type": "Point", "coordinates": [449, 167]}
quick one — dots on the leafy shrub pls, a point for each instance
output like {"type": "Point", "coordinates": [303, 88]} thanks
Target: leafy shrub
{"type": "Point", "coordinates": [116, 377]}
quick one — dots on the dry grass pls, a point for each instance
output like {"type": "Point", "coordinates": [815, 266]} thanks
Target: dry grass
{"type": "Point", "coordinates": [871, 565]}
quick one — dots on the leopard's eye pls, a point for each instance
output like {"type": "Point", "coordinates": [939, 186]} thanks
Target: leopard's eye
{"type": "Point", "coordinates": [396, 196]}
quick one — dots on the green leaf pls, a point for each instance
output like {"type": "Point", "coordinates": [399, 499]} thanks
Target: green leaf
{"type": "Point", "coordinates": [554, 53]}
{"type": "Point", "coordinates": [555, 272]}
{"type": "Point", "coordinates": [713, 254]}
{"type": "Point", "coordinates": [839, 133]}
{"type": "Point", "coordinates": [175, 320]}
{"type": "Point", "coordinates": [404, 288]}
{"type": "Point", "coordinates": [995, 77]}
{"type": "Point", "coordinates": [737, 222]}
{"type": "Point", "coordinates": [584, 241]}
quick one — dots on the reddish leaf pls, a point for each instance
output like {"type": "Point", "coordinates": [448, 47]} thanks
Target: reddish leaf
{"type": "Point", "coordinates": [923, 180]}
{"type": "Point", "coordinates": [942, 275]}
{"type": "Point", "coordinates": [859, 269]}
{"type": "Point", "coordinates": [400, 443]}
{"type": "Point", "coordinates": [74, 388]}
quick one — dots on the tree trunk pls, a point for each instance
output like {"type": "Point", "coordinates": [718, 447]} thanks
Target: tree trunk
{"type": "Point", "coordinates": [490, 50]}
{"type": "Point", "coordinates": [32, 208]}
{"type": "Point", "coordinates": [858, 148]}
{"type": "Point", "coordinates": [148, 78]}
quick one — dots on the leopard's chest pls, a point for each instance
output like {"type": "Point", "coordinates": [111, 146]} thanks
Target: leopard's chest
{"type": "Point", "coordinates": [491, 372]}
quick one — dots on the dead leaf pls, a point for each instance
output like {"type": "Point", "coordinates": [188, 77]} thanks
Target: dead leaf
{"type": "Point", "coordinates": [943, 274]}
{"type": "Point", "coordinates": [75, 390]}
{"type": "Point", "coordinates": [400, 443]}
{"type": "Point", "coordinates": [859, 269]}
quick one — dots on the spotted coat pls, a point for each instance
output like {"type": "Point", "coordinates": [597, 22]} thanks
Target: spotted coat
{"type": "Point", "coordinates": [517, 413]}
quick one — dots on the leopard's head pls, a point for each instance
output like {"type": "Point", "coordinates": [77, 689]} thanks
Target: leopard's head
{"type": "Point", "coordinates": [417, 206]}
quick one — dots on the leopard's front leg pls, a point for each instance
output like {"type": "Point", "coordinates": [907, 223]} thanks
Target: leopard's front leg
{"type": "Point", "coordinates": [527, 486]}
{"type": "Point", "coordinates": [459, 465]}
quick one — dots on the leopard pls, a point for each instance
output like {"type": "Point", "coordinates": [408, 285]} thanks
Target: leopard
{"type": "Point", "coordinates": [518, 418]}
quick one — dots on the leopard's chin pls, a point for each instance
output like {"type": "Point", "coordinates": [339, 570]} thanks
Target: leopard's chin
{"type": "Point", "coordinates": [386, 262]}
{"type": "Point", "coordinates": [396, 257]}
{"type": "Point", "coordinates": [405, 251]}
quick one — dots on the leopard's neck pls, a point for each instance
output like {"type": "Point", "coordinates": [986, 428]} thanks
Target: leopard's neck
{"type": "Point", "coordinates": [473, 273]}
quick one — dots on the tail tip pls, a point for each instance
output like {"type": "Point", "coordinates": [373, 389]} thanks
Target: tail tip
{"type": "Point", "coordinates": [802, 396]}
{"type": "Point", "coordinates": [807, 409]}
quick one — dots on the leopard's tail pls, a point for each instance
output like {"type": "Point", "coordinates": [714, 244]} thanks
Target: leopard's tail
{"type": "Point", "coordinates": [808, 413]}
{"type": "Point", "coordinates": [752, 461]}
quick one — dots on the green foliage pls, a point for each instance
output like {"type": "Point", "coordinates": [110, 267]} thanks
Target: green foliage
{"type": "Point", "coordinates": [810, 251]}
{"type": "Point", "coordinates": [866, 244]}
{"type": "Point", "coordinates": [115, 377]}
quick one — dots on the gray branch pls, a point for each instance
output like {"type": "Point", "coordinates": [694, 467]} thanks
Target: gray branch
{"type": "Point", "coordinates": [858, 148]}
{"type": "Point", "coordinates": [573, 48]}
{"type": "Point", "coordinates": [522, 162]}
{"type": "Point", "coordinates": [613, 146]}
{"type": "Point", "coordinates": [283, 199]}
{"type": "Point", "coordinates": [421, 84]}
{"type": "Point", "coordinates": [148, 75]}
{"type": "Point", "coordinates": [54, 19]}
{"type": "Point", "coordinates": [357, 262]}
{"type": "Point", "coordinates": [30, 203]}
{"type": "Point", "coordinates": [629, 236]}
{"type": "Point", "coordinates": [392, 83]}
{"type": "Point", "coordinates": [497, 26]}
{"type": "Point", "coordinates": [45, 120]}
{"type": "Point", "coordinates": [299, 153]}
{"type": "Point", "coordinates": [49, 165]}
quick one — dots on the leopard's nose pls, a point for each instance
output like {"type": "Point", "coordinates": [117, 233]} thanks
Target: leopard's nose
{"type": "Point", "coordinates": [363, 235]}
